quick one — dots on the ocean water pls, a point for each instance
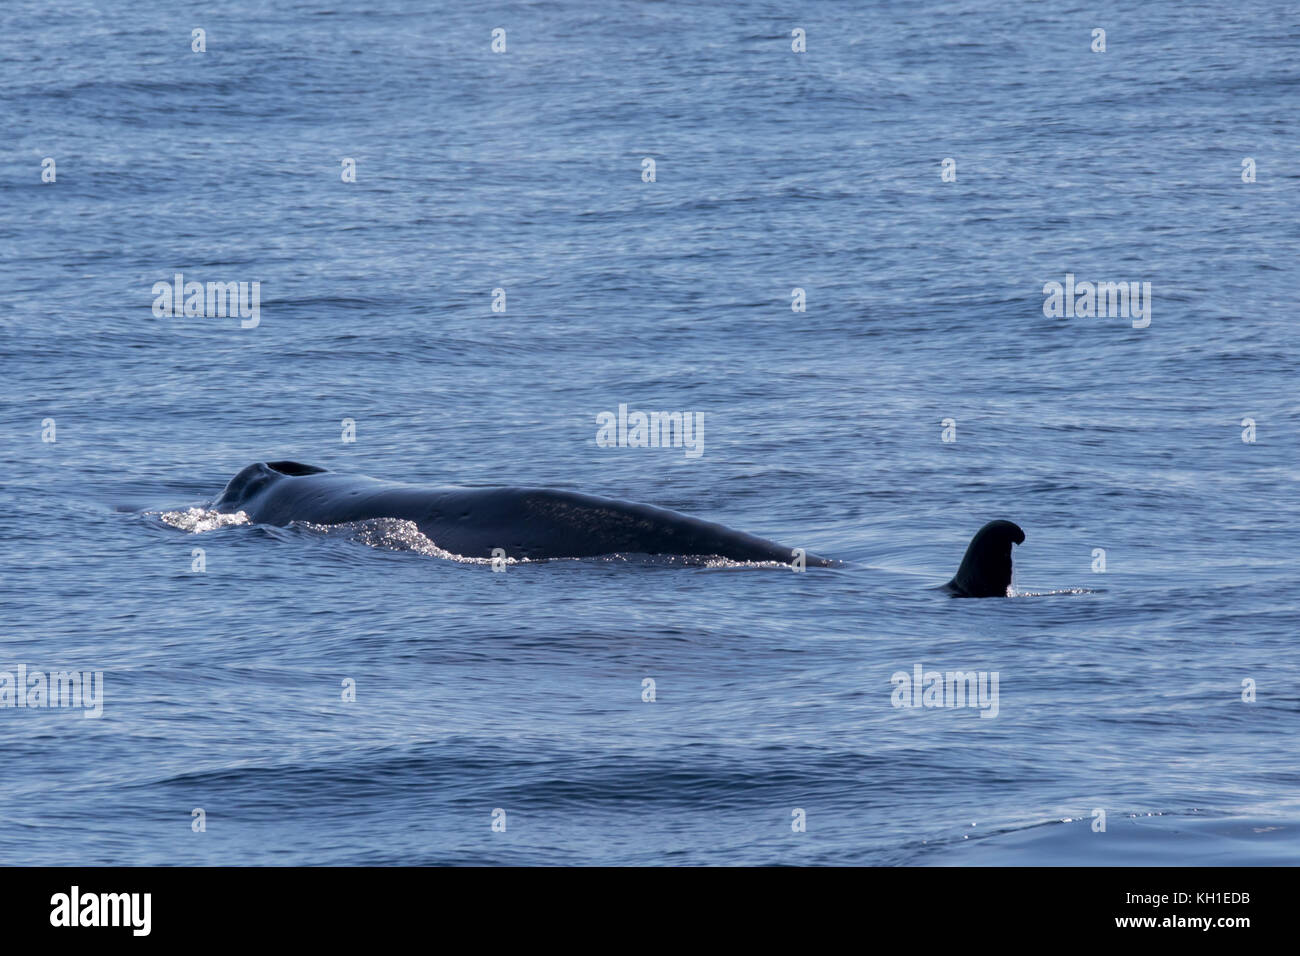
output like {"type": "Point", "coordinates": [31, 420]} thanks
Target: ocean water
{"type": "Point", "coordinates": [518, 696]}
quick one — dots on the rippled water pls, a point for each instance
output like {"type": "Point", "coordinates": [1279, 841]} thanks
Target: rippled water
{"type": "Point", "coordinates": [523, 691]}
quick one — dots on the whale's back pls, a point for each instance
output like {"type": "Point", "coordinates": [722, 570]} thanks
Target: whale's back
{"type": "Point", "coordinates": [531, 523]}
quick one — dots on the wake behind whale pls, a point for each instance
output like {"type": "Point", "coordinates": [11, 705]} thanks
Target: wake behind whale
{"type": "Point", "coordinates": [538, 524]}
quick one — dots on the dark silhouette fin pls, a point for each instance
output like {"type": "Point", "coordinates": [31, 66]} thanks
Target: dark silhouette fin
{"type": "Point", "coordinates": [986, 568]}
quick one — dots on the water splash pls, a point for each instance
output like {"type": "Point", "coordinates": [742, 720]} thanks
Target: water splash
{"type": "Point", "coordinates": [394, 534]}
{"type": "Point", "coordinates": [198, 520]}
{"type": "Point", "coordinates": [1014, 593]}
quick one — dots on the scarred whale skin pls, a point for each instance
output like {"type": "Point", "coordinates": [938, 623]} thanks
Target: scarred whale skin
{"type": "Point", "coordinates": [527, 523]}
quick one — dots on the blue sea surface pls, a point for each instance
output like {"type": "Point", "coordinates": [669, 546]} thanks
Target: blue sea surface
{"type": "Point", "coordinates": [1161, 695]}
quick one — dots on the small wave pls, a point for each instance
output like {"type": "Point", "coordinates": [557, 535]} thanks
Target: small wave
{"type": "Point", "coordinates": [394, 534]}
{"type": "Point", "coordinates": [198, 520]}
{"type": "Point", "coordinates": [1014, 593]}
{"type": "Point", "coordinates": [1145, 838]}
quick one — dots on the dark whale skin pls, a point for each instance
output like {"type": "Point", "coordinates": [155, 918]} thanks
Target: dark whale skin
{"type": "Point", "coordinates": [527, 523]}
{"type": "Point", "coordinates": [985, 569]}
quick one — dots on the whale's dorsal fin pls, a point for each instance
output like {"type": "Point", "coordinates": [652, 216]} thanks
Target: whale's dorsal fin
{"type": "Point", "coordinates": [986, 567]}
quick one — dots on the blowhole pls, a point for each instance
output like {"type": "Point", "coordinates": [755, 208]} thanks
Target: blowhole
{"type": "Point", "coordinates": [293, 468]}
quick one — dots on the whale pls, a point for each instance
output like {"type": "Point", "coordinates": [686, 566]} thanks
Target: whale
{"type": "Point", "coordinates": [525, 523]}
{"type": "Point", "coordinates": [537, 524]}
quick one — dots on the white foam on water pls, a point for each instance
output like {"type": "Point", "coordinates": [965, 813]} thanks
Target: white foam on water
{"type": "Point", "coordinates": [198, 520]}
{"type": "Point", "coordinates": [1013, 593]}
{"type": "Point", "coordinates": [395, 534]}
